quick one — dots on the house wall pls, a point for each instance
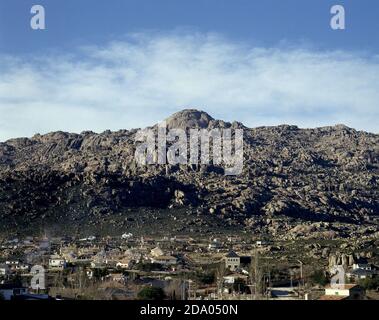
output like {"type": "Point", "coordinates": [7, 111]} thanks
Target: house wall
{"type": "Point", "coordinates": [337, 292]}
{"type": "Point", "coordinates": [232, 263]}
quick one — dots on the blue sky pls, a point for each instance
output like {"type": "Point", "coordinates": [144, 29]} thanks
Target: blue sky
{"type": "Point", "coordinates": [263, 22]}
{"type": "Point", "coordinates": [119, 64]}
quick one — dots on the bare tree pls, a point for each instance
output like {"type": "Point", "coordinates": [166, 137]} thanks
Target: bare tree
{"type": "Point", "coordinates": [220, 273]}
{"type": "Point", "coordinates": [256, 274]}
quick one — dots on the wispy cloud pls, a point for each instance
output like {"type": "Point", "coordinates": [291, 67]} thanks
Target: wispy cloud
{"type": "Point", "coordinates": [135, 82]}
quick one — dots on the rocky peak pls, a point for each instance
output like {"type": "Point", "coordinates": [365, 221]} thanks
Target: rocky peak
{"type": "Point", "coordinates": [189, 118]}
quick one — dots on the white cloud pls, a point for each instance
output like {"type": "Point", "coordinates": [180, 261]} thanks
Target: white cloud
{"type": "Point", "coordinates": [135, 82]}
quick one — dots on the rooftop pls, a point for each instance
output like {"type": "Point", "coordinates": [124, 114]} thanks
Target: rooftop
{"type": "Point", "coordinates": [342, 286]}
{"type": "Point", "coordinates": [232, 254]}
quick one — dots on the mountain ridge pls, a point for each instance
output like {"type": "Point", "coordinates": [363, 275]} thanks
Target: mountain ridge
{"type": "Point", "coordinates": [291, 176]}
{"type": "Point", "coordinates": [176, 120]}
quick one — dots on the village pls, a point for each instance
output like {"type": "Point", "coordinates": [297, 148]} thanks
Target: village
{"type": "Point", "coordinates": [182, 268]}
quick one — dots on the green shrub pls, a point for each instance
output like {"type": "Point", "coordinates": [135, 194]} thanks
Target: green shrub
{"type": "Point", "coordinates": [100, 273]}
{"type": "Point", "coordinates": [151, 293]}
{"type": "Point", "coordinates": [369, 283]}
{"type": "Point", "coordinates": [149, 267]}
{"type": "Point", "coordinates": [240, 286]}
{"type": "Point", "coordinates": [206, 278]}
{"type": "Point", "coordinates": [319, 277]}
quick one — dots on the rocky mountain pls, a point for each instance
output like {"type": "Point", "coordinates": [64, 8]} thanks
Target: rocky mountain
{"type": "Point", "coordinates": [295, 182]}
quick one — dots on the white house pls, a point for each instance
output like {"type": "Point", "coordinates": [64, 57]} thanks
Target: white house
{"type": "Point", "coordinates": [23, 267]}
{"type": "Point", "coordinates": [12, 263]}
{"type": "Point", "coordinates": [361, 271]}
{"type": "Point", "coordinates": [260, 243]}
{"type": "Point", "coordinates": [56, 262]}
{"type": "Point", "coordinates": [156, 252]}
{"type": "Point", "coordinates": [357, 274]}
{"type": "Point", "coordinates": [230, 279]}
{"type": "Point", "coordinates": [343, 292]}
{"type": "Point", "coordinates": [360, 266]}
{"type": "Point", "coordinates": [232, 261]}
{"type": "Point", "coordinates": [123, 263]}
{"type": "Point", "coordinates": [215, 245]}
{"type": "Point", "coordinates": [127, 236]}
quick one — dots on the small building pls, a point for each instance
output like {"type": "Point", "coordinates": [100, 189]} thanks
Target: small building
{"type": "Point", "coordinates": [231, 279]}
{"type": "Point", "coordinates": [358, 274]}
{"type": "Point", "coordinates": [123, 263]}
{"type": "Point", "coordinates": [12, 263]}
{"type": "Point", "coordinates": [23, 267]}
{"type": "Point", "coordinates": [232, 261]}
{"type": "Point", "coordinates": [156, 252]}
{"type": "Point", "coordinates": [343, 292]}
{"type": "Point", "coordinates": [260, 243]}
{"type": "Point", "coordinates": [362, 266]}
{"type": "Point", "coordinates": [215, 245]}
{"type": "Point", "coordinates": [126, 236]}
{"type": "Point", "coordinates": [164, 260]}
{"type": "Point", "coordinates": [56, 262]}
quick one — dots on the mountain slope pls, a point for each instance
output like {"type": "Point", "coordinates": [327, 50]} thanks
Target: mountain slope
{"type": "Point", "coordinates": [325, 174]}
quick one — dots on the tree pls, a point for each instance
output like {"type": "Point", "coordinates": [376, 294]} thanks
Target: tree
{"type": "Point", "coordinates": [151, 293]}
{"type": "Point", "coordinates": [256, 275]}
{"type": "Point", "coordinates": [149, 267]}
{"type": "Point", "coordinates": [239, 286]}
{"type": "Point", "coordinates": [99, 273]}
{"type": "Point", "coordinates": [369, 283]}
{"type": "Point", "coordinates": [206, 278]}
{"type": "Point", "coordinates": [319, 277]}
{"type": "Point", "coordinates": [220, 273]}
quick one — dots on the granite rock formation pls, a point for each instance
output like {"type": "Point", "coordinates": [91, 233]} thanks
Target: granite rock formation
{"type": "Point", "coordinates": [324, 178]}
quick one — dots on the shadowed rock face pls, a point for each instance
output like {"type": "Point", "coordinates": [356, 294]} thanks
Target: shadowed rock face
{"type": "Point", "coordinates": [325, 174]}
